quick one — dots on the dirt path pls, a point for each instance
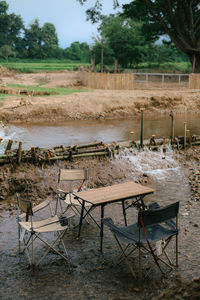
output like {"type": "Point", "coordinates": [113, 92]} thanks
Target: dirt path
{"type": "Point", "coordinates": [93, 104]}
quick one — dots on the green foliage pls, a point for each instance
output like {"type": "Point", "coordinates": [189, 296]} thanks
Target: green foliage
{"type": "Point", "coordinates": [78, 51]}
{"type": "Point", "coordinates": [124, 38]}
{"type": "Point", "coordinates": [52, 91]}
{"type": "Point", "coordinates": [11, 26]}
{"type": "Point", "coordinates": [6, 51]}
{"type": "Point", "coordinates": [179, 19]}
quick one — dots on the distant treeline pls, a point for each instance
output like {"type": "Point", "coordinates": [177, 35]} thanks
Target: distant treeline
{"type": "Point", "coordinates": [119, 40]}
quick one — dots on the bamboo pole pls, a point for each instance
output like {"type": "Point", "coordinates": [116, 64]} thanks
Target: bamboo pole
{"type": "Point", "coordinates": [142, 128]}
{"type": "Point", "coordinates": [185, 134]}
{"type": "Point", "coordinates": [172, 125]}
{"type": "Point", "coordinates": [164, 149]}
{"type": "Point", "coordinates": [132, 137]}
{"type": "Point", "coordinates": [19, 152]}
{"type": "Point", "coordinates": [33, 154]}
{"type": "Point", "coordinates": [189, 137]}
{"type": "Point", "coordinates": [8, 147]}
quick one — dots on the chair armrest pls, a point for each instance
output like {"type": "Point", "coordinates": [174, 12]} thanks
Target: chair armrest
{"type": "Point", "coordinates": [36, 208]}
{"type": "Point", "coordinates": [61, 194]}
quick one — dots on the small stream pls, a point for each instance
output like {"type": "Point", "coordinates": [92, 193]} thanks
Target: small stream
{"type": "Point", "coordinates": [79, 132]}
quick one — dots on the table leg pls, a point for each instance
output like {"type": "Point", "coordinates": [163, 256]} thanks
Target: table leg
{"type": "Point", "coordinates": [81, 218]}
{"type": "Point", "coordinates": [124, 212]}
{"type": "Point", "coordinates": [101, 231]}
{"type": "Point", "coordinates": [142, 203]}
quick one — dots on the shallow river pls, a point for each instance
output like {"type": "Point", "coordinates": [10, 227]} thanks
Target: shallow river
{"type": "Point", "coordinates": [78, 132]}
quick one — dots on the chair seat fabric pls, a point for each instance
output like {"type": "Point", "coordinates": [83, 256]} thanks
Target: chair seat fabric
{"type": "Point", "coordinates": [129, 234]}
{"type": "Point", "coordinates": [47, 225]}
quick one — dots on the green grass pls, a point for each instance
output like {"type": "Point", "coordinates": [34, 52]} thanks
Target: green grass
{"type": "Point", "coordinates": [53, 91]}
{"type": "Point", "coordinates": [32, 66]}
{"type": "Point", "coordinates": [167, 67]}
{"type": "Point", "coordinates": [52, 65]}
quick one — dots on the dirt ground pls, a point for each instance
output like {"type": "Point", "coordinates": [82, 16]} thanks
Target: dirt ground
{"type": "Point", "coordinates": [91, 104]}
{"type": "Point", "coordinates": [89, 275]}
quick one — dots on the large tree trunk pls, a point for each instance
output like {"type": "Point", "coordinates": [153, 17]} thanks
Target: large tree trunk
{"type": "Point", "coordinates": [194, 58]}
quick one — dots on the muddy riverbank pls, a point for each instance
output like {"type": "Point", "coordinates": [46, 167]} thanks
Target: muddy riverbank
{"type": "Point", "coordinates": [89, 275]}
{"type": "Point", "coordinates": [91, 104]}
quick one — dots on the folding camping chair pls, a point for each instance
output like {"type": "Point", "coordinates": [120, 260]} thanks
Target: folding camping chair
{"type": "Point", "coordinates": [30, 231]}
{"type": "Point", "coordinates": [149, 236]}
{"type": "Point", "coordinates": [70, 175]}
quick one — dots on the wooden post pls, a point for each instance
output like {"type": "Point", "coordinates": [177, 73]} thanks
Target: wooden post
{"type": "Point", "coordinates": [132, 137]}
{"type": "Point", "coordinates": [185, 133]}
{"type": "Point", "coordinates": [9, 145]}
{"type": "Point", "coordinates": [33, 154]}
{"type": "Point", "coordinates": [19, 153]}
{"type": "Point", "coordinates": [93, 63]}
{"type": "Point", "coordinates": [142, 128]}
{"type": "Point", "coordinates": [164, 149]}
{"type": "Point", "coordinates": [101, 58]}
{"type": "Point", "coordinates": [115, 66]}
{"type": "Point", "coordinates": [189, 137]}
{"type": "Point", "coordinates": [172, 126]}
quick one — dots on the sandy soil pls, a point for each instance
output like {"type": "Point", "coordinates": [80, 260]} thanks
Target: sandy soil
{"type": "Point", "coordinates": [92, 104]}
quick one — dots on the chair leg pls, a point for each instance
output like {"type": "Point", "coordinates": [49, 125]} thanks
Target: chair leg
{"type": "Point", "coordinates": [176, 250]}
{"type": "Point", "coordinates": [125, 257]}
{"type": "Point", "coordinates": [51, 247]}
{"type": "Point", "coordinates": [140, 267]}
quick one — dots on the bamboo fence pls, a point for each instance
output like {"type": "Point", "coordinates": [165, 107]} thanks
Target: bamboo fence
{"type": "Point", "coordinates": [107, 81]}
{"type": "Point", "coordinates": [194, 81]}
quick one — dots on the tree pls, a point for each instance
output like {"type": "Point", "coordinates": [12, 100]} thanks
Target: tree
{"type": "Point", "coordinates": [49, 40]}
{"type": "Point", "coordinates": [78, 51]}
{"type": "Point", "coordinates": [179, 19]}
{"type": "Point", "coordinates": [6, 51]}
{"type": "Point", "coordinates": [124, 36]}
{"type": "Point", "coordinates": [11, 26]}
{"type": "Point", "coordinates": [33, 39]}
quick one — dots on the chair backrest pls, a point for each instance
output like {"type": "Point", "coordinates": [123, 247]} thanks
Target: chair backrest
{"type": "Point", "coordinates": [72, 174]}
{"type": "Point", "coordinates": [155, 216]}
{"type": "Point", "coordinates": [25, 205]}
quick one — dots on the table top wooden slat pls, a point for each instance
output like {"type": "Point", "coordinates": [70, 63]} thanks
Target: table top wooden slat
{"type": "Point", "coordinates": [114, 193]}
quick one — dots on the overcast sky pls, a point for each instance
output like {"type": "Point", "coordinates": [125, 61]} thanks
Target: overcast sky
{"type": "Point", "coordinates": [68, 16]}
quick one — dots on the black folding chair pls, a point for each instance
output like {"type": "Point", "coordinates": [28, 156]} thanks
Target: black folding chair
{"type": "Point", "coordinates": [151, 234]}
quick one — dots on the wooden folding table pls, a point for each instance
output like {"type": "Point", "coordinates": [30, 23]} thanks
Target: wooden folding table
{"type": "Point", "coordinates": [110, 194]}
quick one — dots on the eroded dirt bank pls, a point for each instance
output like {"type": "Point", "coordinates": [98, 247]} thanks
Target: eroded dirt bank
{"type": "Point", "coordinates": [91, 104]}
{"type": "Point", "coordinates": [89, 275]}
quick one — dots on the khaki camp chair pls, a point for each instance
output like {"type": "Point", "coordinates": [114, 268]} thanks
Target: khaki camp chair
{"type": "Point", "coordinates": [70, 176]}
{"type": "Point", "coordinates": [30, 231]}
{"type": "Point", "coordinates": [151, 234]}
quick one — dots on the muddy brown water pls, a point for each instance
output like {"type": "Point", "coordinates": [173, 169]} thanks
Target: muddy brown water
{"type": "Point", "coordinates": [79, 132]}
{"type": "Point", "coordinates": [91, 275]}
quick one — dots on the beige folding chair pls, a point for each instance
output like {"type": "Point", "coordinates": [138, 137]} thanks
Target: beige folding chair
{"type": "Point", "coordinates": [70, 175]}
{"type": "Point", "coordinates": [30, 231]}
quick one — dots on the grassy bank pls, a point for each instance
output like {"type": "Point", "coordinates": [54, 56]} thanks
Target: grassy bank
{"type": "Point", "coordinates": [45, 91]}
{"type": "Point", "coordinates": [52, 65]}
{"type": "Point", "coordinates": [32, 66]}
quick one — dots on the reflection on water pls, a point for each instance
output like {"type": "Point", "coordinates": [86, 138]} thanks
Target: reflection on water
{"type": "Point", "coordinates": [78, 132]}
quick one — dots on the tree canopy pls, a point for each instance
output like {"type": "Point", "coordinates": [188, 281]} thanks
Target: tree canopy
{"type": "Point", "coordinates": [124, 37]}
{"type": "Point", "coordinates": [179, 19]}
{"type": "Point", "coordinates": [11, 26]}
